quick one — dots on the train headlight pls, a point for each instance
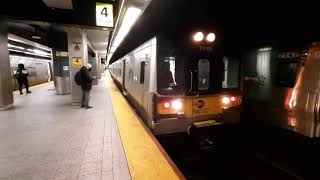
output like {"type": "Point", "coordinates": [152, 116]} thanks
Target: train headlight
{"type": "Point", "coordinates": [177, 105]}
{"type": "Point", "coordinates": [198, 37]}
{"type": "Point", "coordinates": [211, 37]}
{"type": "Point", "coordinates": [166, 105]}
{"type": "Point", "coordinates": [226, 100]}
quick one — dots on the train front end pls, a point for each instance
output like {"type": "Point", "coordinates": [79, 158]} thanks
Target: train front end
{"type": "Point", "coordinates": [198, 87]}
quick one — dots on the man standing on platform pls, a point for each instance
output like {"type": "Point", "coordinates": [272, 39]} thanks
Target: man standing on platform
{"type": "Point", "coordinates": [86, 85]}
{"type": "Point", "coordinates": [22, 76]}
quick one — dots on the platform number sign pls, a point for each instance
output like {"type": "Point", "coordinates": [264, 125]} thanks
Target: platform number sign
{"type": "Point", "coordinates": [104, 11]}
{"type": "Point", "coordinates": [104, 14]}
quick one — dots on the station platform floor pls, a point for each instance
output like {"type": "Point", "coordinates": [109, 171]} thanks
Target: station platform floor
{"type": "Point", "coordinates": [44, 137]}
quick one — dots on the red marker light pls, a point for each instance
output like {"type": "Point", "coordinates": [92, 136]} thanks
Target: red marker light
{"type": "Point", "coordinates": [233, 99]}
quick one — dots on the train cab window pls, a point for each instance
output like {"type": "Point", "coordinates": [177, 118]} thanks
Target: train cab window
{"type": "Point", "coordinates": [203, 74]}
{"type": "Point", "coordinates": [167, 74]}
{"type": "Point", "coordinates": [231, 73]}
{"type": "Point", "coordinates": [286, 74]}
{"type": "Point", "coordinates": [142, 71]}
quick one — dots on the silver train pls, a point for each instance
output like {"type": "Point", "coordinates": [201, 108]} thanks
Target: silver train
{"type": "Point", "coordinates": [282, 89]}
{"type": "Point", "coordinates": [173, 92]}
{"type": "Point", "coordinates": [40, 70]}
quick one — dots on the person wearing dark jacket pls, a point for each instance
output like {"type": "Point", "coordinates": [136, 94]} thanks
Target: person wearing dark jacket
{"type": "Point", "coordinates": [22, 76]}
{"type": "Point", "coordinates": [86, 85]}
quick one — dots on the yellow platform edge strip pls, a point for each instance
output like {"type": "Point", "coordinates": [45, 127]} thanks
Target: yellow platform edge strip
{"type": "Point", "coordinates": [145, 159]}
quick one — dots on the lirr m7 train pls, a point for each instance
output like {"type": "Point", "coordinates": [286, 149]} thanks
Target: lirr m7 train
{"type": "Point", "coordinates": [179, 82]}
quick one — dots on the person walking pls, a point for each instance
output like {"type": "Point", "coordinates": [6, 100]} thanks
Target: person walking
{"type": "Point", "coordinates": [22, 77]}
{"type": "Point", "coordinates": [86, 85]}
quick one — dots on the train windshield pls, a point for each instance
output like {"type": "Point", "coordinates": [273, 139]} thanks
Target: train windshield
{"type": "Point", "coordinates": [204, 74]}
{"type": "Point", "coordinates": [168, 80]}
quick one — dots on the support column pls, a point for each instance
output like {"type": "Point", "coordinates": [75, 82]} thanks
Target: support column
{"type": "Point", "coordinates": [6, 95]}
{"type": "Point", "coordinates": [94, 70]}
{"type": "Point", "coordinates": [59, 44]}
{"type": "Point", "coordinates": [61, 72]}
{"type": "Point", "coordinates": [99, 66]}
{"type": "Point", "coordinates": [78, 57]}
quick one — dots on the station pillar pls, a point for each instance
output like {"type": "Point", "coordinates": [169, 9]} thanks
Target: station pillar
{"type": "Point", "coordinates": [99, 66]}
{"type": "Point", "coordinates": [93, 61]}
{"type": "Point", "coordinates": [59, 44]}
{"type": "Point", "coordinates": [6, 95]}
{"type": "Point", "coordinates": [78, 57]}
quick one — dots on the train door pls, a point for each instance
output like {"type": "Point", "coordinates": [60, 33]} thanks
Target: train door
{"type": "Point", "coordinates": [124, 75]}
{"type": "Point", "coordinates": [203, 105]}
{"type": "Point", "coordinates": [142, 80]}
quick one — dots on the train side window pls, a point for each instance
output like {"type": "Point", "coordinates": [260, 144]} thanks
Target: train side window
{"type": "Point", "coordinates": [203, 74]}
{"type": "Point", "coordinates": [130, 76]}
{"type": "Point", "coordinates": [142, 71]}
{"type": "Point", "coordinates": [286, 74]}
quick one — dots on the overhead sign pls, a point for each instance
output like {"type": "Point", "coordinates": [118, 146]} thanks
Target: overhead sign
{"type": "Point", "coordinates": [104, 14]}
{"type": "Point", "coordinates": [77, 62]}
{"type": "Point", "coordinates": [76, 49]}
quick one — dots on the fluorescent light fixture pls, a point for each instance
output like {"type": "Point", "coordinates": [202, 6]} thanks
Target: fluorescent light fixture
{"type": "Point", "coordinates": [42, 47]}
{"type": "Point", "coordinates": [38, 52]}
{"type": "Point", "coordinates": [15, 50]}
{"type": "Point", "coordinates": [17, 47]}
{"type": "Point", "coordinates": [113, 49]}
{"type": "Point", "coordinates": [16, 40]}
{"type": "Point", "coordinates": [36, 37]}
{"type": "Point", "coordinates": [129, 19]}
{"type": "Point", "coordinates": [264, 49]}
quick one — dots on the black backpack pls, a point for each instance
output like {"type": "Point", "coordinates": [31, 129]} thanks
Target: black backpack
{"type": "Point", "coordinates": [77, 78]}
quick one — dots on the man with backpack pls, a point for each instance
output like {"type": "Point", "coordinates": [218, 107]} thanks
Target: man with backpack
{"type": "Point", "coordinates": [22, 76]}
{"type": "Point", "coordinates": [84, 79]}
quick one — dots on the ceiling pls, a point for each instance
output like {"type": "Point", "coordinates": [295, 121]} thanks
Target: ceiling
{"type": "Point", "coordinates": [124, 5]}
{"type": "Point", "coordinates": [99, 39]}
{"type": "Point", "coordinates": [71, 12]}
{"type": "Point", "coordinates": [61, 4]}
{"type": "Point", "coordinates": [239, 25]}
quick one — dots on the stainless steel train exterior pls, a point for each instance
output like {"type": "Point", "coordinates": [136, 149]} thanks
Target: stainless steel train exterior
{"type": "Point", "coordinates": [282, 89]}
{"type": "Point", "coordinates": [39, 69]}
{"type": "Point", "coordinates": [175, 88]}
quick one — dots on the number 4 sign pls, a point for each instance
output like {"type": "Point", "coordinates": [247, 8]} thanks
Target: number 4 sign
{"type": "Point", "coordinates": [104, 14]}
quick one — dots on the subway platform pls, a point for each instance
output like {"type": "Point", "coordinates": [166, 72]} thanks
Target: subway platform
{"type": "Point", "coordinates": [44, 137]}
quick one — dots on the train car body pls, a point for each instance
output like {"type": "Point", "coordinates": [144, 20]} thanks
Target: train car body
{"type": "Point", "coordinates": [176, 86]}
{"type": "Point", "coordinates": [39, 69]}
{"type": "Point", "coordinates": [281, 89]}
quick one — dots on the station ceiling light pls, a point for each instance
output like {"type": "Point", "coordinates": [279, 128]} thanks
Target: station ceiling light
{"type": "Point", "coordinates": [13, 46]}
{"type": "Point", "coordinates": [129, 19]}
{"type": "Point", "coordinates": [36, 37]}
